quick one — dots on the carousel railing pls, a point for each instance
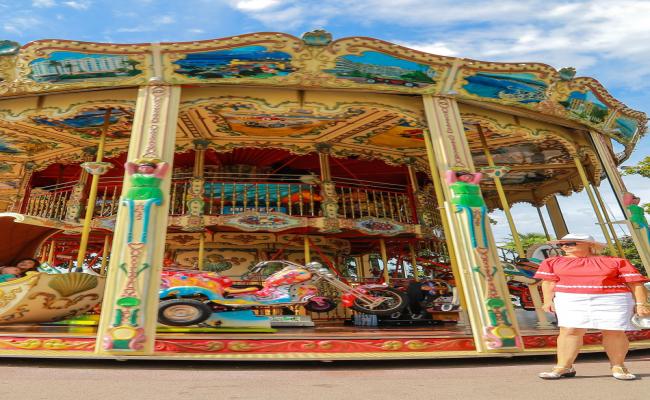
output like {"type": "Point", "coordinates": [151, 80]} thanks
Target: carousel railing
{"type": "Point", "coordinates": [227, 194]}
{"type": "Point", "coordinates": [50, 201]}
{"type": "Point", "coordinates": [358, 199]}
{"type": "Point", "coordinates": [108, 197]}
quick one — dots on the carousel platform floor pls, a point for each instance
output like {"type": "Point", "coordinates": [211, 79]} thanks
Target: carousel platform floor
{"type": "Point", "coordinates": [334, 342]}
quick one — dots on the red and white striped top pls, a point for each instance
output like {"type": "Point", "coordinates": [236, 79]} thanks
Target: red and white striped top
{"type": "Point", "coordinates": [592, 275]}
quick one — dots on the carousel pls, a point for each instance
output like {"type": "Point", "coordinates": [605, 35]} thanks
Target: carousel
{"type": "Point", "coordinates": [265, 196]}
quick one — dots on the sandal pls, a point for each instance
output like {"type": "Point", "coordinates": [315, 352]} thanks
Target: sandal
{"type": "Point", "coordinates": [621, 373]}
{"type": "Point", "coordinates": [558, 372]}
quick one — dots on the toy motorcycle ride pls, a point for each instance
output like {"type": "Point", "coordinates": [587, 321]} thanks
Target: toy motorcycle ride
{"type": "Point", "coordinates": [190, 298]}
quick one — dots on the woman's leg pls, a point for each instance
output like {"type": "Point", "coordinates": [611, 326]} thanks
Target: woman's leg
{"type": "Point", "coordinates": [568, 345]}
{"type": "Point", "coordinates": [616, 346]}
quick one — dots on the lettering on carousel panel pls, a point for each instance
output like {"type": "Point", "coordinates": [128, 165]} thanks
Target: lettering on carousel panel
{"type": "Point", "coordinates": [377, 68]}
{"type": "Point", "coordinates": [449, 131]}
{"type": "Point", "coordinates": [126, 332]}
{"type": "Point", "coordinates": [252, 221]}
{"type": "Point", "coordinates": [378, 226]}
{"type": "Point", "coordinates": [470, 205]}
{"type": "Point", "coordinates": [71, 67]}
{"type": "Point", "coordinates": [524, 88]}
{"type": "Point", "coordinates": [159, 93]}
{"type": "Point", "coordinates": [586, 106]}
{"type": "Point", "coordinates": [241, 62]}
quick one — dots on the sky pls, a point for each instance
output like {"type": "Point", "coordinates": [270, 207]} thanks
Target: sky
{"type": "Point", "coordinates": [607, 40]}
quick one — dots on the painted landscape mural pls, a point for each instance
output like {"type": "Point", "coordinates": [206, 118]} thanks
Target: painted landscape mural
{"type": "Point", "coordinates": [88, 123]}
{"type": "Point", "coordinates": [242, 62]}
{"type": "Point", "coordinates": [378, 68]}
{"type": "Point", "coordinates": [626, 127]}
{"type": "Point", "coordinates": [67, 66]}
{"type": "Point", "coordinates": [586, 106]}
{"type": "Point", "coordinates": [519, 87]}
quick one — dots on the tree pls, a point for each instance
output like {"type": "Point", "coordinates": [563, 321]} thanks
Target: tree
{"type": "Point", "coordinates": [527, 240]}
{"type": "Point", "coordinates": [630, 253]}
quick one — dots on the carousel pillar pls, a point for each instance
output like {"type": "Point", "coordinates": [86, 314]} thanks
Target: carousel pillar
{"type": "Point", "coordinates": [97, 169]}
{"type": "Point", "coordinates": [442, 207]}
{"type": "Point", "coordinates": [492, 317]}
{"type": "Point", "coordinates": [50, 255]}
{"type": "Point", "coordinates": [129, 310]}
{"type": "Point", "coordinates": [75, 203]}
{"type": "Point", "coordinates": [194, 200]}
{"type": "Point", "coordinates": [329, 204]}
{"type": "Point", "coordinates": [592, 200]}
{"type": "Point", "coordinates": [307, 249]}
{"type": "Point", "coordinates": [107, 249]}
{"type": "Point", "coordinates": [21, 196]}
{"type": "Point", "coordinates": [638, 233]}
{"type": "Point", "coordinates": [557, 219]}
{"type": "Point", "coordinates": [496, 173]}
{"type": "Point", "coordinates": [384, 260]}
{"type": "Point", "coordinates": [414, 261]}
{"type": "Point", "coordinates": [200, 263]}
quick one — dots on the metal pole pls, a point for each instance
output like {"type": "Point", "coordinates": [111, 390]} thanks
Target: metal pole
{"type": "Point", "coordinates": [201, 260]}
{"type": "Point", "coordinates": [502, 196]}
{"type": "Point", "coordinates": [92, 196]}
{"type": "Point", "coordinates": [607, 220]}
{"type": "Point", "coordinates": [384, 259]}
{"type": "Point", "coordinates": [541, 219]}
{"type": "Point", "coordinates": [307, 249]}
{"type": "Point", "coordinates": [414, 261]}
{"type": "Point", "coordinates": [601, 221]}
{"type": "Point", "coordinates": [107, 249]}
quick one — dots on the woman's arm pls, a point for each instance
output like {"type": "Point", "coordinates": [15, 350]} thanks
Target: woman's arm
{"type": "Point", "coordinates": [640, 298]}
{"type": "Point", "coordinates": [548, 291]}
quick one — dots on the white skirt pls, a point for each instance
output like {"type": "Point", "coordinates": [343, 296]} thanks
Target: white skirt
{"type": "Point", "coordinates": [612, 311]}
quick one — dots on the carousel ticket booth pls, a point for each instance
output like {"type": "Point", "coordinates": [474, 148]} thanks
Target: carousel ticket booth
{"type": "Point", "coordinates": [272, 197]}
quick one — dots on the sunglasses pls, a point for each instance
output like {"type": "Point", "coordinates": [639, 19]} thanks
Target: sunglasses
{"type": "Point", "coordinates": [568, 244]}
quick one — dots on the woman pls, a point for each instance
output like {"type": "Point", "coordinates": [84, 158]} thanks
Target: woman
{"type": "Point", "coordinates": [27, 265]}
{"type": "Point", "coordinates": [588, 291]}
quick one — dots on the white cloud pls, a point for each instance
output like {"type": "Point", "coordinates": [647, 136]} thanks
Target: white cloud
{"type": "Point", "coordinates": [255, 5]}
{"type": "Point", "coordinates": [163, 20]}
{"type": "Point", "coordinates": [19, 25]}
{"type": "Point", "coordinates": [78, 5]}
{"type": "Point", "coordinates": [43, 3]}
{"type": "Point", "coordinates": [581, 33]}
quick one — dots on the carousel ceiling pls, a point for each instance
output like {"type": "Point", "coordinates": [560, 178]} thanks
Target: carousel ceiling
{"type": "Point", "coordinates": [363, 130]}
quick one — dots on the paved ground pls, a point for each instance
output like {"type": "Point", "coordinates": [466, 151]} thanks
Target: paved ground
{"type": "Point", "coordinates": [504, 379]}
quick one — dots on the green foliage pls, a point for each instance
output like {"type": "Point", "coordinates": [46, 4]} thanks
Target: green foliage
{"type": "Point", "coordinates": [527, 240]}
{"type": "Point", "coordinates": [630, 253]}
{"type": "Point", "coordinates": [642, 168]}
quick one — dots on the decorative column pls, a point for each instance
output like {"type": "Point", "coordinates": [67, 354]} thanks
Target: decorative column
{"type": "Point", "coordinates": [330, 203]}
{"type": "Point", "coordinates": [557, 219]}
{"type": "Point", "coordinates": [492, 317]}
{"type": "Point", "coordinates": [21, 196]}
{"type": "Point", "coordinates": [608, 221]}
{"type": "Point", "coordinates": [384, 260]}
{"type": "Point", "coordinates": [129, 311]}
{"type": "Point", "coordinates": [638, 233]}
{"type": "Point", "coordinates": [194, 199]}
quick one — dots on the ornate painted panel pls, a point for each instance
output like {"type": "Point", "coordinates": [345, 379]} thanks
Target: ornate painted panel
{"type": "Point", "coordinates": [523, 88]}
{"type": "Point", "coordinates": [70, 67]}
{"type": "Point", "coordinates": [240, 62]}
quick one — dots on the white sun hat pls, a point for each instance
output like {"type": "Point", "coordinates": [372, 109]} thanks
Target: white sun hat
{"type": "Point", "coordinates": [580, 238]}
